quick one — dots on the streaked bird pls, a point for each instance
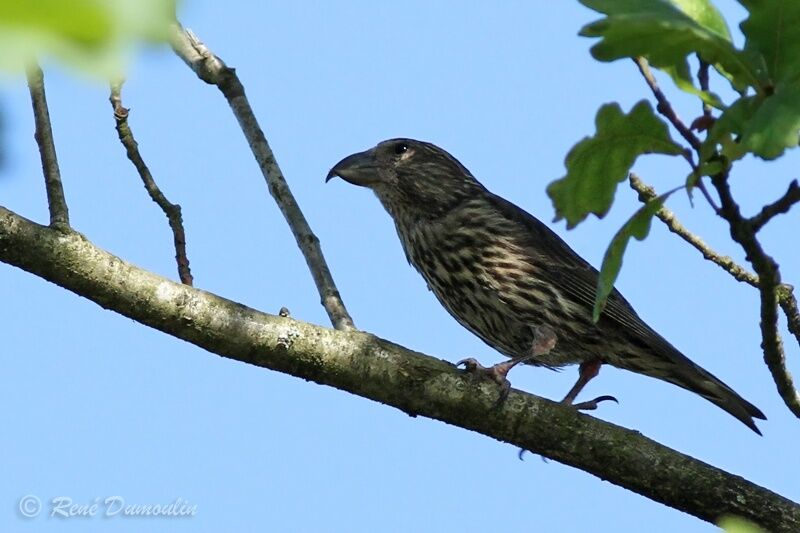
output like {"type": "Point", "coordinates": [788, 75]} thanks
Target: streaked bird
{"type": "Point", "coordinates": [513, 282]}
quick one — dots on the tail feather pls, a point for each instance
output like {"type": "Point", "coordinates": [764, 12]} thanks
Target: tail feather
{"type": "Point", "coordinates": [698, 380]}
{"type": "Point", "coordinates": [663, 361]}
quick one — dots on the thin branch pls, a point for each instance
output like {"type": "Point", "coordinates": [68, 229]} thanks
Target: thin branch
{"type": "Point", "coordinates": [687, 155]}
{"type": "Point", "coordinates": [703, 80]}
{"type": "Point", "coordinates": [780, 206]}
{"type": "Point", "coordinates": [743, 231]}
{"type": "Point", "coordinates": [172, 211]}
{"type": "Point", "coordinates": [417, 384]}
{"type": "Point", "coordinates": [769, 286]}
{"type": "Point", "coordinates": [663, 106]}
{"type": "Point", "coordinates": [213, 70]}
{"type": "Point", "coordinates": [647, 193]}
{"type": "Point", "coordinates": [56, 203]}
{"type": "Point", "coordinates": [784, 293]}
{"type": "Point", "coordinates": [709, 199]}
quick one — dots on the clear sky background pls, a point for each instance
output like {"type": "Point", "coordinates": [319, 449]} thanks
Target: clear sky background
{"type": "Point", "coordinates": [95, 405]}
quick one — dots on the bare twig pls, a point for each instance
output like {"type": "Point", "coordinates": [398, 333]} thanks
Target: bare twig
{"type": "Point", "coordinates": [647, 193]}
{"type": "Point", "coordinates": [385, 372]}
{"type": "Point", "coordinates": [769, 286]}
{"type": "Point", "coordinates": [780, 206]}
{"type": "Point", "coordinates": [172, 211]}
{"type": "Point", "coordinates": [56, 203]}
{"type": "Point", "coordinates": [703, 189]}
{"type": "Point", "coordinates": [702, 79]}
{"type": "Point", "coordinates": [213, 70]}
{"type": "Point", "coordinates": [663, 106]}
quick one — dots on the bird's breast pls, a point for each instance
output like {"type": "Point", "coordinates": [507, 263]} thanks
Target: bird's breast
{"type": "Point", "coordinates": [470, 273]}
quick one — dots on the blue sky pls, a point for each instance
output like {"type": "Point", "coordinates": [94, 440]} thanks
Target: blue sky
{"type": "Point", "coordinates": [97, 405]}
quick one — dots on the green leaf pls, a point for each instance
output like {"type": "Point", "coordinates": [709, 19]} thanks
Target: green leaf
{"type": "Point", "coordinates": [637, 226]}
{"type": "Point", "coordinates": [764, 126]}
{"type": "Point", "coordinates": [597, 164]}
{"type": "Point", "coordinates": [683, 80]}
{"type": "Point", "coordinates": [94, 35]}
{"type": "Point", "coordinates": [665, 34]}
{"type": "Point", "coordinates": [708, 168]}
{"type": "Point", "coordinates": [81, 23]}
{"type": "Point", "coordinates": [690, 184]}
{"type": "Point", "coordinates": [773, 30]}
{"type": "Point", "coordinates": [728, 127]}
{"type": "Point", "coordinates": [775, 126]}
{"type": "Point", "coordinates": [706, 14]}
{"type": "Point", "coordinates": [735, 524]}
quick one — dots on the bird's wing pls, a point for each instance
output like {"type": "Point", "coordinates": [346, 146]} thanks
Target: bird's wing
{"type": "Point", "coordinates": [578, 280]}
{"type": "Point", "coordinates": [574, 275]}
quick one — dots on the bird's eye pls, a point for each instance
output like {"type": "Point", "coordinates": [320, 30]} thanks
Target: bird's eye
{"type": "Point", "coordinates": [400, 148]}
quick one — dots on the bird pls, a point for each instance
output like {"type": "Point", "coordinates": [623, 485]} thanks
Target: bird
{"type": "Point", "coordinates": [512, 281]}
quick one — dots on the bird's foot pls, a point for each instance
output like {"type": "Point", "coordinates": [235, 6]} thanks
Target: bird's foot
{"type": "Point", "coordinates": [587, 371]}
{"type": "Point", "coordinates": [543, 342]}
{"type": "Point", "coordinates": [496, 373]}
{"type": "Point", "coordinates": [590, 405]}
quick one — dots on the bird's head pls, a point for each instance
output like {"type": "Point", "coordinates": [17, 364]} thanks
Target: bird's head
{"type": "Point", "coordinates": [411, 178]}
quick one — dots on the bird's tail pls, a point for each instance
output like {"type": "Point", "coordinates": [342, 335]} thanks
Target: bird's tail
{"type": "Point", "coordinates": [698, 380]}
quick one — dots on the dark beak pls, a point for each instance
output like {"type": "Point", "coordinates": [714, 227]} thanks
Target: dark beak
{"type": "Point", "coordinates": [358, 169]}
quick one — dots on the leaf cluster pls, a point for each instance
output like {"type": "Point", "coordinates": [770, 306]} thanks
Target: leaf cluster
{"type": "Point", "coordinates": [764, 120]}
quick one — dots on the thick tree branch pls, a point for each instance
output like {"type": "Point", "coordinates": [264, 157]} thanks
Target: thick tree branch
{"type": "Point", "coordinates": [647, 193]}
{"type": "Point", "coordinates": [172, 211]}
{"type": "Point", "coordinates": [788, 303]}
{"type": "Point", "coordinates": [742, 231]}
{"type": "Point", "coordinates": [778, 207]}
{"type": "Point", "coordinates": [213, 70]}
{"type": "Point", "coordinates": [56, 203]}
{"type": "Point", "coordinates": [384, 372]}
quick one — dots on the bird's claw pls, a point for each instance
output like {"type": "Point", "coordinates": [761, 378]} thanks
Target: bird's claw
{"type": "Point", "coordinates": [470, 364]}
{"type": "Point", "coordinates": [591, 405]}
{"type": "Point", "coordinates": [521, 455]}
{"type": "Point", "coordinates": [496, 373]}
